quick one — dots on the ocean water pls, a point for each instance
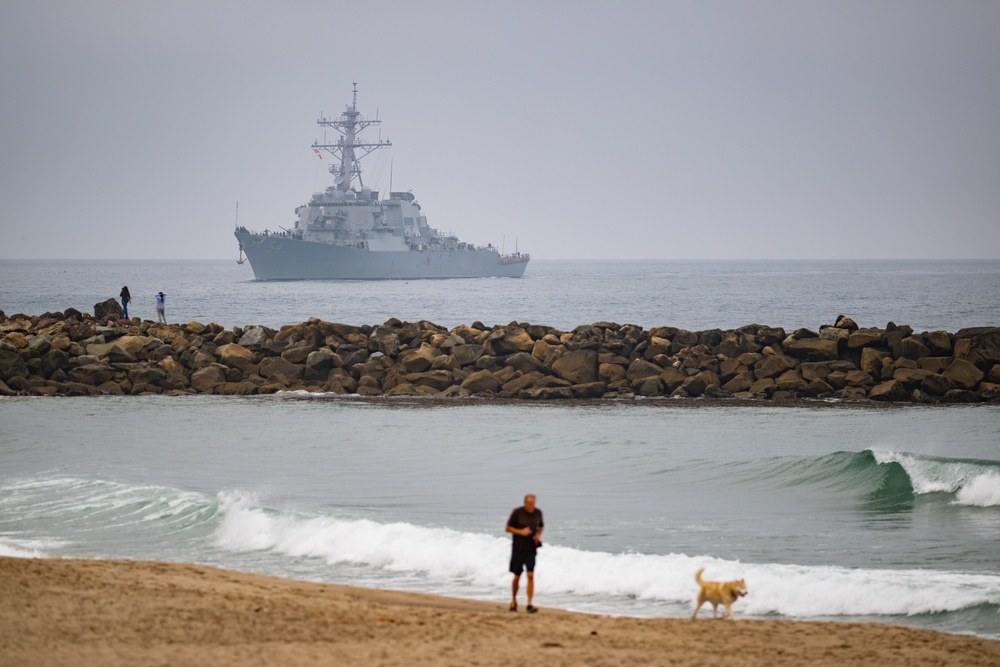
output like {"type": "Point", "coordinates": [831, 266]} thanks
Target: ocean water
{"type": "Point", "coordinates": [695, 295]}
{"type": "Point", "coordinates": [828, 512]}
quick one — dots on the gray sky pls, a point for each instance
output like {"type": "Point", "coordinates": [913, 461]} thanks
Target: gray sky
{"type": "Point", "coordinates": [581, 129]}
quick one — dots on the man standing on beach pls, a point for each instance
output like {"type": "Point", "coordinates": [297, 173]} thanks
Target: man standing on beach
{"type": "Point", "coordinates": [526, 525]}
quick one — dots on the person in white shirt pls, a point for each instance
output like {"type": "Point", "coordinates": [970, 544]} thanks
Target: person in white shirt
{"type": "Point", "coordinates": [161, 307]}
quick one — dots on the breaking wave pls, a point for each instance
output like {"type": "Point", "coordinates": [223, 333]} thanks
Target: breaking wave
{"type": "Point", "coordinates": [442, 555]}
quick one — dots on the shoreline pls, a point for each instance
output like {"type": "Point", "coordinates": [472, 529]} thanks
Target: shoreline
{"type": "Point", "coordinates": [82, 612]}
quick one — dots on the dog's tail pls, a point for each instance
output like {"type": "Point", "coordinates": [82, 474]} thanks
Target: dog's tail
{"type": "Point", "coordinates": [697, 575]}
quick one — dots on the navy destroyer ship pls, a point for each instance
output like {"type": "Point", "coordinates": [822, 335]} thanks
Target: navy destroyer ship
{"type": "Point", "coordinates": [348, 233]}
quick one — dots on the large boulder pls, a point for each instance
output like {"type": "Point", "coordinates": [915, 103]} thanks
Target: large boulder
{"type": "Point", "coordinates": [253, 338]}
{"type": "Point", "coordinates": [910, 376]}
{"type": "Point", "coordinates": [92, 374]}
{"type": "Point", "coordinates": [524, 362]}
{"type": "Point", "coordinates": [147, 375]}
{"type": "Point", "coordinates": [964, 374]}
{"type": "Point", "coordinates": [699, 383]}
{"type": "Point", "coordinates": [671, 378]}
{"type": "Point", "coordinates": [467, 354]}
{"type": "Point", "coordinates": [775, 364]}
{"type": "Point", "coordinates": [208, 378]}
{"type": "Point", "coordinates": [318, 365]}
{"type": "Point", "coordinates": [610, 373]}
{"type": "Point", "coordinates": [481, 382]}
{"type": "Point", "coordinates": [864, 338]}
{"type": "Point", "coordinates": [588, 390]}
{"type": "Point", "coordinates": [812, 349]}
{"type": "Point", "coordinates": [936, 384]}
{"type": "Point", "coordinates": [273, 366]}
{"type": "Point", "coordinates": [436, 380]}
{"type": "Point", "coordinates": [640, 369]}
{"type": "Point", "coordinates": [984, 350]}
{"type": "Point", "coordinates": [938, 342]}
{"type": "Point", "coordinates": [911, 348]}
{"type": "Point", "coordinates": [298, 352]}
{"type": "Point", "coordinates": [135, 344]}
{"type": "Point", "coordinates": [12, 364]}
{"type": "Point", "coordinates": [790, 380]}
{"type": "Point", "coordinates": [16, 339]}
{"type": "Point", "coordinates": [54, 360]}
{"type": "Point", "coordinates": [989, 391]}
{"type": "Point", "coordinates": [234, 355]}
{"type": "Point", "coordinates": [419, 360]}
{"type": "Point", "coordinates": [741, 382]}
{"type": "Point", "coordinates": [845, 322]}
{"type": "Point", "coordinates": [770, 335]}
{"type": "Point", "coordinates": [814, 370]}
{"type": "Point", "coordinates": [509, 340]}
{"type": "Point", "coordinates": [578, 366]}
{"type": "Point", "coordinates": [871, 361]}
{"type": "Point", "coordinates": [893, 390]}
{"type": "Point", "coordinates": [817, 387]}
{"type": "Point", "coordinates": [110, 309]}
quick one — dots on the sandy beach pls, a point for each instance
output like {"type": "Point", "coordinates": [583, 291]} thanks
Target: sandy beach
{"type": "Point", "coordinates": [90, 612]}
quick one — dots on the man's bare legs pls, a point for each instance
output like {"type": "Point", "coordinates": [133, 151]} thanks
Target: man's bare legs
{"type": "Point", "coordinates": [516, 584]}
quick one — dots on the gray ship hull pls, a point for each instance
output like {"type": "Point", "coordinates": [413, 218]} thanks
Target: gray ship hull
{"type": "Point", "coordinates": [276, 257]}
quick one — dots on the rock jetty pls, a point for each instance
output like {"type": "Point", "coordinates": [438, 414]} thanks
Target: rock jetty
{"type": "Point", "coordinates": [77, 354]}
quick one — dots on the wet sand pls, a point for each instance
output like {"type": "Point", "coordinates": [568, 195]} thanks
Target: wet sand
{"type": "Point", "coordinates": [90, 612]}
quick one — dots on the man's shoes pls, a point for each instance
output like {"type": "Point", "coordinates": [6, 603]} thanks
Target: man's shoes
{"type": "Point", "coordinates": [513, 606]}
{"type": "Point", "coordinates": [532, 610]}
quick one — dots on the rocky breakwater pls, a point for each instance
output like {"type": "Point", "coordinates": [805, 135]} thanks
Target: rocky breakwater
{"type": "Point", "coordinates": [73, 353]}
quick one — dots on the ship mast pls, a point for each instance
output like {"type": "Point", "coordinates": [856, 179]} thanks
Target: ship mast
{"type": "Point", "coordinates": [345, 167]}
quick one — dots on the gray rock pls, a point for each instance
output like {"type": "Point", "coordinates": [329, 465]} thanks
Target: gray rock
{"type": "Point", "coordinates": [253, 338]}
{"type": "Point", "coordinates": [12, 364]}
{"type": "Point", "coordinates": [110, 309]}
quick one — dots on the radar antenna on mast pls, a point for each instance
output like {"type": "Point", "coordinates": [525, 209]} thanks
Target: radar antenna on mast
{"type": "Point", "coordinates": [349, 150]}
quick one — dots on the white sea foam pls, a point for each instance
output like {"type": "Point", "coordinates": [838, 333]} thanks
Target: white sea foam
{"type": "Point", "coordinates": [21, 548]}
{"type": "Point", "coordinates": [982, 490]}
{"type": "Point", "coordinates": [441, 555]}
{"type": "Point", "coordinates": [973, 483]}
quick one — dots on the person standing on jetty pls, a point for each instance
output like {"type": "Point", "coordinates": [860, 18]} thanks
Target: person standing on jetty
{"type": "Point", "coordinates": [161, 307]}
{"type": "Point", "coordinates": [126, 298]}
{"type": "Point", "coordinates": [526, 525]}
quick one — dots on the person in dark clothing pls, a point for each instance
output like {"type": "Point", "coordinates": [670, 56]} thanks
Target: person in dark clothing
{"type": "Point", "coordinates": [126, 298]}
{"type": "Point", "coordinates": [526, 525]}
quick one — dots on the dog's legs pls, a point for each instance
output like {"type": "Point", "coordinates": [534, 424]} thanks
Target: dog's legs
{"type": "Point", "coordinates": [700, 602]}
{"type": "Point", "coordinates": [729, 611]}
{"type": "Point", "coordinates": [715, 610]}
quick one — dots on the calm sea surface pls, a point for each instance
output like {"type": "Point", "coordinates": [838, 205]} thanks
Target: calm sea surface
{"type": "Point", "coordinates": [927, 295]}
{"type": "Point", "coordinates": [870, 514]}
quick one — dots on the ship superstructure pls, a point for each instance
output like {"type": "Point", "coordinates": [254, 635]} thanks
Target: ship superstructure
{"type": "Point", "coordinates": [347, 232]}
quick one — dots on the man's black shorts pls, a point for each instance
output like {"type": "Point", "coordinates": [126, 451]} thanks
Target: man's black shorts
{"type": "Point", "coordinates": [522, 559]}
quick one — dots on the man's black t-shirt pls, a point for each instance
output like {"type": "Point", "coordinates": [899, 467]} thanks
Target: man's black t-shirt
{"type": "Point", "coordinates": [522, 518]}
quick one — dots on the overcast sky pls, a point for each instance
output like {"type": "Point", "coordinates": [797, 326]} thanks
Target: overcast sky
{"type": "Point", "coordinates": [575, 129]}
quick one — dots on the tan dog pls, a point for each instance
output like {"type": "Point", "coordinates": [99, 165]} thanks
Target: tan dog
{"type": "Point", "coordinates": [718, 592]}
